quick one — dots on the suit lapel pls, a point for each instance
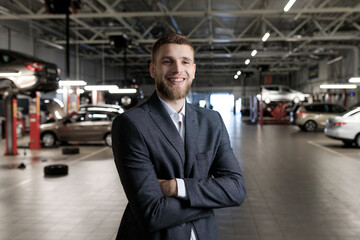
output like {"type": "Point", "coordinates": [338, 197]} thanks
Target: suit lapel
{"type": "Point", "coordinates": [191, 138]}
{"type": "Point", "coordinates": [166, 125]}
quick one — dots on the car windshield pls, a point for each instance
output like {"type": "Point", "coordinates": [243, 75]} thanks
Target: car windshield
{"type": "Point", "coordinates": [352, 112]}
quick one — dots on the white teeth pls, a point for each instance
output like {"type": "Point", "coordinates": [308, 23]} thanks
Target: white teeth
{"type": "Point", "coordinates": [176, 79]}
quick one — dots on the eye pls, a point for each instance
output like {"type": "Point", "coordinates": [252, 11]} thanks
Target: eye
{"type": "Point", "coordinates": [166, 61]}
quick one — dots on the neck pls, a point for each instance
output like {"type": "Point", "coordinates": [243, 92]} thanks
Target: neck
{"type": "Point", "coordinates": [177, 105]}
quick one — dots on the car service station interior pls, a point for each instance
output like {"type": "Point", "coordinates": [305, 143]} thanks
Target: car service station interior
{"type": "Point", "coordinates": [283, 74]}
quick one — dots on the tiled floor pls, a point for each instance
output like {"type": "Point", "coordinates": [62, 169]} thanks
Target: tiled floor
{"type": "Point", "coordinates": [300, 186]}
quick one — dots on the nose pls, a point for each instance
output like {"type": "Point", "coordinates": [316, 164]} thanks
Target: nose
{"type": "Point", "coordinates": [176, 67]}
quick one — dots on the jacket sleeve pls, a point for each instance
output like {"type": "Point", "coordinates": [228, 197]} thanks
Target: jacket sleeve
{"type": "Point", "coordinates": [225, 186]}
{"type": "Point", "coordinates": [150, 207]}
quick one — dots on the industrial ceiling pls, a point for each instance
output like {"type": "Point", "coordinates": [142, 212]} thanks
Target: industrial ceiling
{"type": "Point", "coordinates": [224, 32]}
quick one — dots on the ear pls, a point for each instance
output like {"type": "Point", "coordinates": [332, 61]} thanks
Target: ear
{"type": "Point", "coordinates": [194, 71]}
{"type": "Point", "coordinates": [152, 70]}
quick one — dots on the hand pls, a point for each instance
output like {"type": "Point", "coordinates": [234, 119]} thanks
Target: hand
{"type": "Point", "coordinates": [168, 187]}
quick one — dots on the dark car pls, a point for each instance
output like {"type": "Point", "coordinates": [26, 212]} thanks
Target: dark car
{"type": "Point", "coordinates": [310, 117]}
{"type": "Point", "coordinates": [27, 74]}
{"type": "Point", "coordinates": [88, 125]}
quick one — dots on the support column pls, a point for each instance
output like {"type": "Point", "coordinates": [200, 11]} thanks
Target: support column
{"type": "Point", "coordinates": [10, 125]}
{"type": "Point", "coordinates": [34, 116]}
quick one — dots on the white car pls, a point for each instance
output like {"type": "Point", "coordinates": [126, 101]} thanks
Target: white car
{"type": "Point", "coordinates": [273, 93]}
{"type": "Point", "coordinates": [345, 127]}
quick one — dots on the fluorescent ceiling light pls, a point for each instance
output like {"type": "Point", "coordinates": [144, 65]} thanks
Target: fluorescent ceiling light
{"type": "Point", "coordinates": [247, 61]}
{"type": "Point", "coordinates": [61, 91]}
{"type": "Point", "coordinates": [123, 91]}
{"type": "Point", "coordinates": [354, 80]}
{"type": "Point", "coordinates": [338, 86]}
{"type": "Point", "coordinates": [265, 37]}
{"type": "Point", "coordinates": [100, 87]}
{"type": "Point", "coordinates": [289, 5]}
{"type": "Point", "coordinates": [253, 53]}
{"type": "Point", "coordinates": [236, 76]}
{"type": "Point", "coordinates": [72, 83]}
{"type": "Point", "coordinates": [238, 73]}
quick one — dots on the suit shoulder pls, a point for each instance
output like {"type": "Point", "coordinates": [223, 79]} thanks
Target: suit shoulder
{"type": "Point", "coordinates": [204, 111]}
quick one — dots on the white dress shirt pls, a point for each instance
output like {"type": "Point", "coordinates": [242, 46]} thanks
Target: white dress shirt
{"type": "Point", "coordinates": [179, 117]}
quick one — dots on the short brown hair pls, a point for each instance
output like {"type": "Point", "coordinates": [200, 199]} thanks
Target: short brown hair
{"type": "Point", "coordinates": [169, 38]}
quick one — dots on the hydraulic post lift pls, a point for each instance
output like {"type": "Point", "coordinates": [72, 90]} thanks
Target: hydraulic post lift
{"type": "Point", "coordinates": [10, 125]}
{"type": "Point", "coordinates": [34, 116]}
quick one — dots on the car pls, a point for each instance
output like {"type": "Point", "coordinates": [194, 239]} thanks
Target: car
{"type": "Point", "coordinates": [345, 127]}
{"type": "Point", "coordinates": [310, 117]}
{"type": "Point", "coordinates": [274, 93]}
{"type": "Point", "coordinates": [92, 124]}
{"type": "Point", "coordinates": [27, 74]}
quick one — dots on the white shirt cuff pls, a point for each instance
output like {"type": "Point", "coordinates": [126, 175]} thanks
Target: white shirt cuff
{"type": "Point", "coordinates": [181, 188]}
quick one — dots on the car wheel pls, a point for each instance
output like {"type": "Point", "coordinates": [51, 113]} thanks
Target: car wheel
{"type": "Point", "coordinates": [302, 127]}
{"type": "Point", "coordinates": [108, 140]}
{"type": "Point", "coordinates": [310, 126]}
{"type": "Point", "coordinates": [48, 139]}
{"type": "Point", "coordinates": [357, 140]}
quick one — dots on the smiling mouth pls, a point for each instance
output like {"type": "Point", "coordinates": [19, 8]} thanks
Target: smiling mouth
{"type": "Point", "coordinates": [176, 79]}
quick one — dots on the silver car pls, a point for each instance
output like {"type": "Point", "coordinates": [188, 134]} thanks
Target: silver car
{"type": "Point", "coordinates": [27, 74]}
{"type": "Point", "coordinates": [274, 93]}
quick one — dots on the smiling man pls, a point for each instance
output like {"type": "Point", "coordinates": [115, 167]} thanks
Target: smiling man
{"type": "Point", "coordinates": [174, 159]}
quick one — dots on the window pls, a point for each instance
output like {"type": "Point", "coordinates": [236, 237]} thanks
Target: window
{"type": "Point", "coordinates": [338, 109]}
{"type": "Point", "coordinates": [6, 58]}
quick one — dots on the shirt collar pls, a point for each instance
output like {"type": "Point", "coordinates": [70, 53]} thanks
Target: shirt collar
{"type": "Point", "coordinates": [170, 110]}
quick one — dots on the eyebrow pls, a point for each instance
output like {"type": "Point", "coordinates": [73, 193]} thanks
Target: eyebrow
{"type": "Point", "coordinates": [186, 58]}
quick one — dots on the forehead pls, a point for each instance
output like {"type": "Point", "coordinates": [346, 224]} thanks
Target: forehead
{"type": "Point", "coordinates": [175, 51]}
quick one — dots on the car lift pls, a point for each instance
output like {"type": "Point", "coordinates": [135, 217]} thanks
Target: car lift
{"type": "Point", "coordinates": [10, 124]}
{"type": "Point", "coordinates": [34, 116]}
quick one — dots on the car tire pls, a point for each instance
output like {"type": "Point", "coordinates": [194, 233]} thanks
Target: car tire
{"type": "Point", "coordinates": [108, 140]}
{"type": "Point", "coordinates": [310, 126]}
{"type": "Point", "coordinates": [302, 128]}
{"type": "Point", "coordinates": [357, 140]}
{"type": "Point", "coordinates": [56, 170]}
{"type": "Point", "coordinates": [71, 150]}
{"type": "Point", "coordinates": [48, 139]}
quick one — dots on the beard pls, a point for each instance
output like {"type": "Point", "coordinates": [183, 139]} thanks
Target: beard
{"type": "Point", "coordinates": [172, 92]}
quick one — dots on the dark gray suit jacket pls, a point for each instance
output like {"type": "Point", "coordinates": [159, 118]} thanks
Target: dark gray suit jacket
{"type": "Point", "coordinates": [147, 146]}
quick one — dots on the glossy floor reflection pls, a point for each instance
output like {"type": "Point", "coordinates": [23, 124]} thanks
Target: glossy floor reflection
{"type": "Point", "coordinates": [300, 186]}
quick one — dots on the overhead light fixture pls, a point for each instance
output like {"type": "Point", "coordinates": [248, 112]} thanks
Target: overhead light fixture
{"type": "Point", "coordinates": [289, 5]}
{"type": "Point", "coordinates": [338, 86]}
{"type": "Point", "coordinates": [123, 91]}
{"type": "Point", "coordinates": [354, 80]}
{"type": "Point", "coordinates": [253, 53]}
{"type": "Point", "coordinates": [238, 73]}
{"type": "Point", "coordinates": [236, 76]}
{"type": "Point", "coordinates": [334, 60]}
{"type": "Point", "coordinates": [265, 37]}
{"type": "Point", "coordinates": [100, 87]}
{"type": "Point", "coordinates": [61, 91]}
{"type": "Point", "coordinates": [247, 61]}
{"type": "Point", "coordinates": [72, 83]}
